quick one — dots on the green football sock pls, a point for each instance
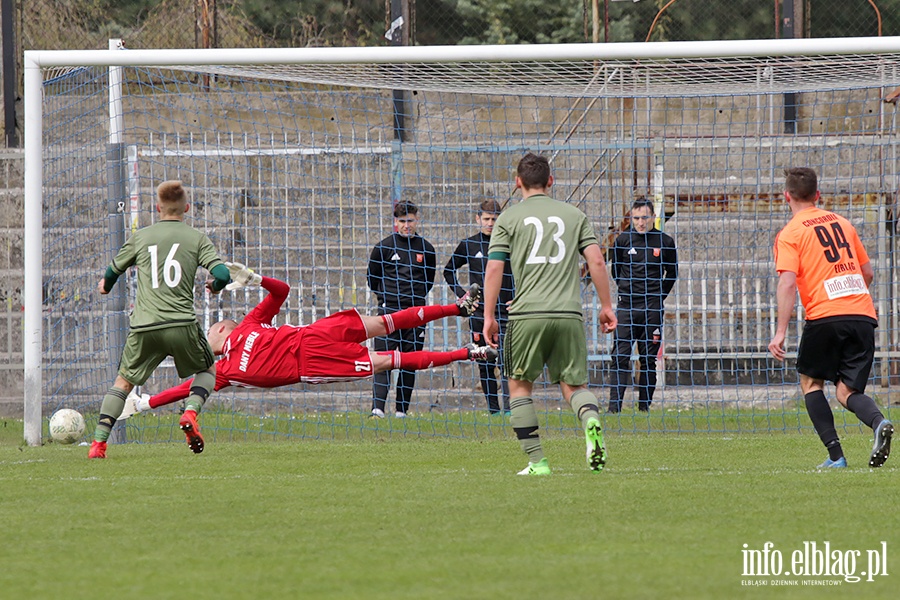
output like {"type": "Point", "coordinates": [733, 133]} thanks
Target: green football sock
{"type": "Point", "coordinates": [525, 423]}
{"type": "Point", "coordinates": [200, 387]}
{"type": "Point", "coordinates": [584, 404]}
{"type": "Point", "coordinates": [110, 409]}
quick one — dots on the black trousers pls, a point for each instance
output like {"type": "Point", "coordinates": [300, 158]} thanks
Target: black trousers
{"type": "Point", "coordinates": [404, 340]}
{"type": "Point", "coordinates": [486, 369]}
{"type": "Point", "coordinates": [641, 326]}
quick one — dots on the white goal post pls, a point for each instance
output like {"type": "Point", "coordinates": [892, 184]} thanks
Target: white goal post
{"type": "Point", "coordinates": [628, 77]}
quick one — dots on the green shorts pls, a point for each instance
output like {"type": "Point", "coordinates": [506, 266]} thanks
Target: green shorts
{"type": "Point", "coordinates": [144, 350]}
{"type": "Point", "coordinates": [558, 343]}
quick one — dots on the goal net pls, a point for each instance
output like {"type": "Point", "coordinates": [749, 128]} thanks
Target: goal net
{"type": "Point", "coordinates": [294, 158]}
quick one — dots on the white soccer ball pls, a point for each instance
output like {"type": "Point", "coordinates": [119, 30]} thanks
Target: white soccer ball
{"type": "Point", "coordinates": [66, 426]}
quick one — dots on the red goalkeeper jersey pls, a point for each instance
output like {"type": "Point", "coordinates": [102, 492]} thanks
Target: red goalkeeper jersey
{"type": "Point", "coordinates": [256, 353]}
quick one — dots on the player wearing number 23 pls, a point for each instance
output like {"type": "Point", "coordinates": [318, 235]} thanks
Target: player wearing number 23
{"type": "Point", "coordinates": [545, 241]}
{"type": "Point", "coordinates": [820, 254]}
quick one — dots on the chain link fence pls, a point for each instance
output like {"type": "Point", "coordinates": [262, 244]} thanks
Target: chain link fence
{"type": "Point", "coordinates": [148, 24]}
{"type": "Point", "coordinates": [84, 24]}
{"type": "Point", "coordinates": [88, 24]}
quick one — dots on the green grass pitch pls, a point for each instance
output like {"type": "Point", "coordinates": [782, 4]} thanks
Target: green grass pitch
{"type": "Point", "coordinates": [399, 517]}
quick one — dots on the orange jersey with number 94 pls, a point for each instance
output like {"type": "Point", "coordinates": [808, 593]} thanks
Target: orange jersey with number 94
{"type": "Point", "coordinates": [825, 252]}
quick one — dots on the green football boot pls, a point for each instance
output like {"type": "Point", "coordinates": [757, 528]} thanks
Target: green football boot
{"type": "Point", "coordinates": [541, 467]}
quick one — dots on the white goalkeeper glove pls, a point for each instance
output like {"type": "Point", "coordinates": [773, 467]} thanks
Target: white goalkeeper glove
{"type": "Point", "coordinates": [241, 276]}
{"type": "Point", "coordinates": [134, 404]}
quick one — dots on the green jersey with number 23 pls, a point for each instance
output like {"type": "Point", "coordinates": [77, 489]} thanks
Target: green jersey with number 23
{"type": "Point", "coordinates": [544, 239]}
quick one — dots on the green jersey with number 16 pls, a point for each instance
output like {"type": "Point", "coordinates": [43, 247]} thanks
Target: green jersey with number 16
{"type": "Point", "coordinates": [544, 239]}
{"type": "Point", "coordinates": [167, 255]}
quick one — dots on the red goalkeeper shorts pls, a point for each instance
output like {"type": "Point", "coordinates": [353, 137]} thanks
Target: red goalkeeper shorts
{"type": "Point", "coordinates": [331, 349]}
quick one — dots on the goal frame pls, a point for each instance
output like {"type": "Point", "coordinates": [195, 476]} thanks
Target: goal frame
{"type": "Point", "coordinates": [35, 61]}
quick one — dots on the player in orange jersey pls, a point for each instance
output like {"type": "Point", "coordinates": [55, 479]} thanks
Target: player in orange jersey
{"type": "Point", "coordinates": [820, 254]}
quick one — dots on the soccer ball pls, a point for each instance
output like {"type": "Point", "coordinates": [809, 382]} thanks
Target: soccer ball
{"type": "Point", "coordinates": [66, 426]}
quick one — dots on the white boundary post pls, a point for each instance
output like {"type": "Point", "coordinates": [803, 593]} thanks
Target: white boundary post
{"type": "Point", "coordinates": [134, 188]}
{"type": "Point", "coordinates": [658, 192]}
{"type": "Point", "coordinates": [116, 114]}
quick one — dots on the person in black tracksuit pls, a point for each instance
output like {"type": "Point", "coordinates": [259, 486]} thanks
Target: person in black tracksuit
{"type": "Point", "coordinates": [401, 272]}
{"type": "Point", "coordinates": [644, 264]}
{"type": "Point", "coordinates": [474, 252]}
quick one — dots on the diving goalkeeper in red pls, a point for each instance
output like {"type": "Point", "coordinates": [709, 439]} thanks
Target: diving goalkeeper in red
{"type": "Point", "coordinates": [255, 353]}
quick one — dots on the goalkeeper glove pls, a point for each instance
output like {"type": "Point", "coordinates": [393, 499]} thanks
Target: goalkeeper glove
{"type": "Point", "coordinates": [241, 276]}
{"type": "Point", "coordinates": [134, 404]}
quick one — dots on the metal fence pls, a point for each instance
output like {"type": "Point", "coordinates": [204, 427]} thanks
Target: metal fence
{"type": "Point", "coordinates": [88, 24]}
{"type": "Point", "coordinates": [82, 24]}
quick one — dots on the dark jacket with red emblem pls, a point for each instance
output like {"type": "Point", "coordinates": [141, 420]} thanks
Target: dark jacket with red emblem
{"type": "Point", "coordinates": [401, 271]}
{"type": "Point", "coordinates": [645, 266]}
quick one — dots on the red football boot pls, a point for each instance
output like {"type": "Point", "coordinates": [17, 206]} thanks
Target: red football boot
{"type": "Point", "coordinates": [191, 429]}
{"type": "Point", "coordinates": [98, 450]}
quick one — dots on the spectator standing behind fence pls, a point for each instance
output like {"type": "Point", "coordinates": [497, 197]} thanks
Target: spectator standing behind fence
{"type": "Point", "coordinates": [473, 251]}
{"type": "Point", "coordinates": [820, 254]}
{"type": "Point", "coordinates": [401, 272]}
{"type": "Point", "coordinates": [644, 264]}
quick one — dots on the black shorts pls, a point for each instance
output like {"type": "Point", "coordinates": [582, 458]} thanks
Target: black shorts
{"type": "Point", "coordinates": [838, 349]}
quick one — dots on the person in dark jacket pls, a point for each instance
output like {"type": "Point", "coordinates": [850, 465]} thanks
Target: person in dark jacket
{"type": "Point", "coordinates": [401, 272]}
{"type": "Point", "coordinates": [473, 251]}
{"type": "Point", "coordinates": [644, 264]}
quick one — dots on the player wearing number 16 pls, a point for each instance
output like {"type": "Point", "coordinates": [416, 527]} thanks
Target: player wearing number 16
{"type": "Point", "coordinates": [544, 240]}
{"type": "Point", "coordinates": [164, 322]}
{"type": "Point", "coordinates": [820, 254]}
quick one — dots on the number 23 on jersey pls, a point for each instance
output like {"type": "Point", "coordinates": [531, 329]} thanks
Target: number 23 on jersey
{"type": "Point", "coordinates": [559, 253]}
